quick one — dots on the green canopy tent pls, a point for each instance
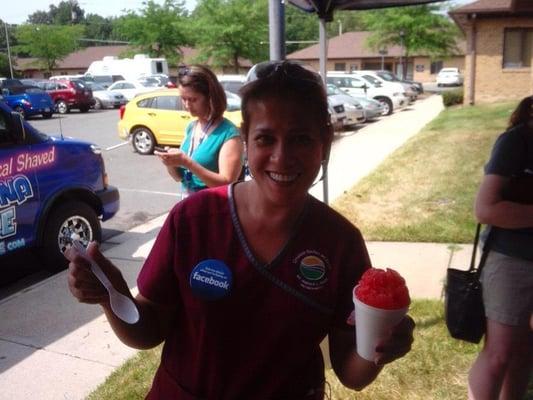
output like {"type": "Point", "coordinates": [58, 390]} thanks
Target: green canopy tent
{"type": "Point", "coordinates": [324, 10]}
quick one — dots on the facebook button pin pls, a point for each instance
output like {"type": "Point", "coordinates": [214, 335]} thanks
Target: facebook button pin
{"type": "Point", "coordinates": [211, 280]}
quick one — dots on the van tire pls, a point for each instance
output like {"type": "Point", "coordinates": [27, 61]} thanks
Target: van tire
{"type": "Point", "coordinates": [387, 103]}
{"type": "Point", "coordinates": [84, 109]}
{"type": "Point", "coordinates": [20, 110]}
{"type": "Point", "coordinates": [47, 115]}
{"type": "Point", "coordinates": [143, 140]}
{"type": "Point", "coordinates": [68, 221]}
{"type": "Point", "coordinates": [62, 107]}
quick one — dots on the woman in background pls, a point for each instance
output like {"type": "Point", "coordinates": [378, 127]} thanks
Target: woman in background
{"type": "Point", "coordinates": [503, 367]}
{"type": "Point", "coordinates": [211, 153]}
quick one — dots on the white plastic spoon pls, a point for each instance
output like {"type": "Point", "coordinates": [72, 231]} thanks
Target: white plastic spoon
{"type": "Point", "coordinates": [122, 306]}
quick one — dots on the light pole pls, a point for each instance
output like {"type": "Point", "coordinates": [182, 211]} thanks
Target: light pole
{"type": "Point", "coordinates": [402, 33]}
{"type": "Point", "coordinates": [8, 51]}
{"type": "Point", "coordinates": [383, 53]}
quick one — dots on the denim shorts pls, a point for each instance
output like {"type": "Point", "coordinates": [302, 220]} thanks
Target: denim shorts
{"type": "Point", "coordinates": [508, 289]}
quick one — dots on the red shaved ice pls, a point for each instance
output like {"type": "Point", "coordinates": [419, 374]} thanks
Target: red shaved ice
{"type": "Point", "coordinates": [382, 288]}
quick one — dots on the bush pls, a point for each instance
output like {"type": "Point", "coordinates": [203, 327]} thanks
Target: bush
{"type": "Point", "coordinates": [452, 97]}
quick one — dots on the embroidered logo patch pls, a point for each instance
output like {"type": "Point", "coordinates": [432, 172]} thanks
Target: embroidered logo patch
{"type": "Point", "coordinates": [312, 269]}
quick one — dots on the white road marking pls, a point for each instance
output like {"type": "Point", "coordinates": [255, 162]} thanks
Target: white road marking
{"type": "Point", "coordinates": [117, 146]}
{"type": "Point", "coordinates": [148, 191]}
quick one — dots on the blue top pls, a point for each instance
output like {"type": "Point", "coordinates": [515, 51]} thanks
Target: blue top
{"type": "Point", "coordinates": [206, 154]}
{"type": "Point", "coordinates": [512, 155]}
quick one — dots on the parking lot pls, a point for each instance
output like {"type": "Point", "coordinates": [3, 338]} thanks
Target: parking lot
{"type": "Point", "coordinates": [146, 189]}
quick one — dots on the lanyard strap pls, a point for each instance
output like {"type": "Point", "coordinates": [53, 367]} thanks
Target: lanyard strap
{"type": "Point", "coordinates": [203, 135]}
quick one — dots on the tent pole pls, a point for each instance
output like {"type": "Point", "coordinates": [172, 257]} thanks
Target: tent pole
{"type": "Point", "coordinates": [276, 17]}
{"type": "Point", "coordinates": [323, 48]}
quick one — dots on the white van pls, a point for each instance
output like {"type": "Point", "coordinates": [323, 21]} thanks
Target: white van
{"type": "Point", "coordinates": [355, 85]}
{"type": "Point", "coordinates": [130, 68]}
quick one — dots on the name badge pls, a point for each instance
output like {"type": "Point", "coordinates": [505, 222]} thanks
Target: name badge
{"type": "Point", "coordinates": [211, 279]}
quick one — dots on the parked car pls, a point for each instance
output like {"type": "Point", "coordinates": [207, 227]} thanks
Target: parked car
{"type": "Point", "coordinates": [411, 91]}
{"type": "Point", "coordinates": [104, 98]}
{"type": "Point", "coordinates": [352, 108]}
{"type": "Point", "coordinates": [104, 80]}
{"type": "Point", "coordinates": [162, 79]}
{"type": "Point", "coordinates": [233, 100]}
{"type": "Point", "coordinates": [69, 94]}
{"type": "Point", "coordinates": [158, 118]}
{"type": "Point", "coordinates": [406, 91]}
{"type": "Point", "coordinates": [28, 101]}
{"type": "Point", "coordinates": [232, 83]}
{"type": "Point", "coordinates": [391, 77]}
{"type": "Point", "coordinates": [449, 77]}
{"type": "Point", "coordinates": [372, 109]}
{"type": "Point", "coordinates": [130, 89]}
{"type": "Point", "coordinates": [356, 85]}
{"type": "Point", "coordinates": [337, 114]}
{"type": "Point", "coordinates": [9, 82]}
{"type": "Point", "coordinates": [52, 190]}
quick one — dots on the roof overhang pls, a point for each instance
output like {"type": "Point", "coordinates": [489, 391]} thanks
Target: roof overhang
{"type": "Point", "coordinates": [325, 8]}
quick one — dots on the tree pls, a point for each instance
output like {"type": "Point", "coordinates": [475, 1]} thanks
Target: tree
{"type": "Point", "coordinates": [65, 13]}
{"type": "Point", "coordinates": [225, 30]}
{"type": "Point", "coordinates": [47, 43]}
{"type": "Point", "coordinates": [159, 30]}
{"type": "Point", "coordinates": [299, 27]}
{"type": "Point", "coordinates": [97, 27]}
{"type": "Point", "coordinates": [414, 28]}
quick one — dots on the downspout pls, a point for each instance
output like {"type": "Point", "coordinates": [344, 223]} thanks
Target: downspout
{"type": "Point", "coordinates": [473, 55]}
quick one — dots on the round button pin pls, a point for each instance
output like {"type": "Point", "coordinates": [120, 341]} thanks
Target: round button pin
{"type": "Point", "coordinates": [211, 279]}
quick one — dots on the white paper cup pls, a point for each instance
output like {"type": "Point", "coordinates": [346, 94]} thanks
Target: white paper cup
{"type": "Point", "coordinates": [373, 324]}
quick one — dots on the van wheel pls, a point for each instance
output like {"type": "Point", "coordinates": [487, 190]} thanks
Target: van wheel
{"type": "Point", "coordinates": [62, 107]}
{"type": "Point", "coordinates": [66, 222]}
{"type": "Point", "coordinates": [84, 109]}
{"type": "Point", "coordinates": [387, 105]}
{"type": "Point", "coordinates": [143, 141]}
{"type": "Point", "coordinates": [20, 110]}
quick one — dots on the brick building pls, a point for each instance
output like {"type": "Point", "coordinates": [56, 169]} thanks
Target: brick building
{"type": "Point", "coordinates": [499, 39]}
{"type": "Point", "coordinates": [349, 51]}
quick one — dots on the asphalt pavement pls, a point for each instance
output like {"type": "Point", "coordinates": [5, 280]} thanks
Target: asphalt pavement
{"type": "Point", "coordinates": [52, 347]}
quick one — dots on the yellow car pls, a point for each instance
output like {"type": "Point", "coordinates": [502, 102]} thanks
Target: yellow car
{"type": "Point", "coordinates": [158, 119]}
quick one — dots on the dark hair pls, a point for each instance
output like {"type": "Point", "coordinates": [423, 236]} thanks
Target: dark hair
{"type": "Point", "coordinates": [523, 112]}
{"type": "Point", "coordinates": [286, 80]}
{"type": "Point", "coordinates": [204, 81]}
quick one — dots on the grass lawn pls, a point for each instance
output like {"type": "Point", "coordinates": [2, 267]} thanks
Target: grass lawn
{"type": "Point", "coordinates": [435, 369]}
{"type": "Point", "coordinates": [423, 192]}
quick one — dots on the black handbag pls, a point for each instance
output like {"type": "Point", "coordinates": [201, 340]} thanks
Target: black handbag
{"type": "Point", "coordinates": [463, 302]}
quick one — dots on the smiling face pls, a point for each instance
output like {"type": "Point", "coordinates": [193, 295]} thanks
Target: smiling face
{"type": "Point", "coordinates": [284, 149]}
{"type": "Point", "coordinates": [194, 102]}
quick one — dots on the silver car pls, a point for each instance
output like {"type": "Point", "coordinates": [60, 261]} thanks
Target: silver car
{"type": "Point", "coordinates": [352, 108]}
{"type": "Point", "coordinates": [372, 109]}
{"type": "Point", "coordinates": [104, 98]}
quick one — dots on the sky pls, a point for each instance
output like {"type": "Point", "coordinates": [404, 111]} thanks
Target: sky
{"type": "Point", "coordinates": [18, 11]}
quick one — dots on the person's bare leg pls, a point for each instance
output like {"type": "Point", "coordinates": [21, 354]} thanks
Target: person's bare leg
{"type": "Point", "coordinates": [518, 372]}
{"type": "Point", "coordinates": [486, 375]}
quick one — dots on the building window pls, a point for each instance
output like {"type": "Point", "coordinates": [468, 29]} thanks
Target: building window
{"type": "Point", "coordinates": [435, 67]}
{"type": "Point", "coordinates": [517, 48]}
{"type": "Point", "coordinates": [340, 67]}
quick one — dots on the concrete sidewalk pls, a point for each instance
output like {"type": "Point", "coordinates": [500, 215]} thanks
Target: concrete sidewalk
{"type": "Point", "coordinates": [52, 347]}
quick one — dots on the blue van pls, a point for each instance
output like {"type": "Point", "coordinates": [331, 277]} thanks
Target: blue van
{"type": "Point", "coordinates": [29, 101]}
{"type": "Point", "coordinates": [52, 190]}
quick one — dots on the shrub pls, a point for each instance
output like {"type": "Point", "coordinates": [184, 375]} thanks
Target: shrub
{"type": "Point", "coordinates": [452, 97]}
